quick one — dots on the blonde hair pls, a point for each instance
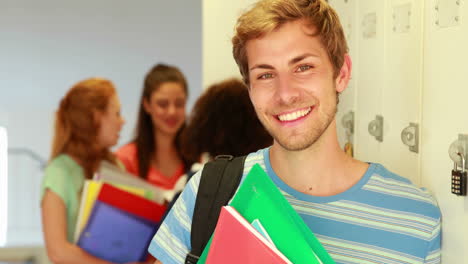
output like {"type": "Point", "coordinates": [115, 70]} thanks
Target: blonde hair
{"type": "Point", "coordinates": [76, 129]}
{"type": "Point", "coordinates": [268, 15]}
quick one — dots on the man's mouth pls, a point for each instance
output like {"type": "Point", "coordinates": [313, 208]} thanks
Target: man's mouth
{"type": "Point", "coordinates": [293, 116]}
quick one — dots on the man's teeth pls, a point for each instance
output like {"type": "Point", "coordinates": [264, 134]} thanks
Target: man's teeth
{"type": "Point", "coordinates": [294, 115]}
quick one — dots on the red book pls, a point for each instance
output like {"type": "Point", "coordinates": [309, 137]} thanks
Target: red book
{"type": "Point", "coordinates": [131, 203]}
{"type": "Point", "coordinates": [236, 241]}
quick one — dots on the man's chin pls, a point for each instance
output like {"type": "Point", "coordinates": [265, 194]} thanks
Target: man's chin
{"type": "Point", "coordinates": [291, 144]}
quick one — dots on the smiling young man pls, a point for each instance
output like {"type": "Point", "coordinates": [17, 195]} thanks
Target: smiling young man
{"type": "Point", "coordinates": [293, 56]}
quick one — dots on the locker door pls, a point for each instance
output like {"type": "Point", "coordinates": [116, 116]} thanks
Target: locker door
{"type": "Point", "coordinates": [402, 86]}
{"type": "Point", "coordinates": [444, 115]}
{"type": "Point", "coordinates": [347, 11]}
{"type": "Point", "coordinates": [369, 74]}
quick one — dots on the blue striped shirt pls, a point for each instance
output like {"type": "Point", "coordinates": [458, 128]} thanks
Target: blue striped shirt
{"type": "Point", "coordinates": [383, 218]}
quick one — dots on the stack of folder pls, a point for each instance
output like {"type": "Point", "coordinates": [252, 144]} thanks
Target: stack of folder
{"type": "Point", "coordinates": [267, 228]}
{"type": "Point", "coordinates": [110, 173]}
{"type": "Point", "coordinates": [118, 216]}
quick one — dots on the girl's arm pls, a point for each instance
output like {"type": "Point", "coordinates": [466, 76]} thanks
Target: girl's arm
{"type": "Point", "coordinates": [54, 223]}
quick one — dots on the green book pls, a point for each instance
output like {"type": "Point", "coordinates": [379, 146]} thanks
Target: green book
{"type": "Point", "coordinates": [259, 198]}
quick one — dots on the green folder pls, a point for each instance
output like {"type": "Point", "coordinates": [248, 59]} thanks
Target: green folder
{"type": "Point", "coordinates": [259, 198]}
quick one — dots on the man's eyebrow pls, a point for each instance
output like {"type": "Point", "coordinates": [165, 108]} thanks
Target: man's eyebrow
{"type": "Point", "coordinates": [291, 62]}
{"type": "Point", "coordinates": [261, 66]}
{"type": "Point", "coordinates": [301, 57]}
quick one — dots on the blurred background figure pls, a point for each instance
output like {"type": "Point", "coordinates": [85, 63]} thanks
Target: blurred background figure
{"type": "Point", "coordinates": [223, 121]}
{"type": "Point", "coordinates": [155, 153]}
{"type": "Point", "coordinates": [87, 124]}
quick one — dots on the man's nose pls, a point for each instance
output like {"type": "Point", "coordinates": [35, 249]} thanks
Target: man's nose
{"type": "Point", "coordinates": [287, 92]}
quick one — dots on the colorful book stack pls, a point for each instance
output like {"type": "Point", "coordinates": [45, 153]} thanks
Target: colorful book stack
{"type": "Point", "coordinates": [118, 218]}
{"type": "Point", "coordinates": [110, 173]}
{"type": "Point", "coordinates": [120, 226]}
{"type": "Point", "coordinates": [258, 199]}
{"type": "Point", "coordinates": [90, 193]}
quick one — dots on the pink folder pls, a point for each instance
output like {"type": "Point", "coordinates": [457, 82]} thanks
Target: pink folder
{"type": "Point", "coordinates": [236, 241]}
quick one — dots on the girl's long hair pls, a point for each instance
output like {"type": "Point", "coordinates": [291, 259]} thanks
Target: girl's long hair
{"type": "Point", "coordinates": [76, 127]}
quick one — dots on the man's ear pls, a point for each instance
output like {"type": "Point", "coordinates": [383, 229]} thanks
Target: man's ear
{"type": "Point", "coordinates": [344, 75]}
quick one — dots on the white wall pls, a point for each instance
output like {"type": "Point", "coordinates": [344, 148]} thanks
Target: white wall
{"type": "Point", "coordinates": [46, 46]}
{"type": "Point", "coordinates": [219, 18]}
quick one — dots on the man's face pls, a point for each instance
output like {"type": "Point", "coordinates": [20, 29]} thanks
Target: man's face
{"type": "Point", "coordinates": [292, 86]}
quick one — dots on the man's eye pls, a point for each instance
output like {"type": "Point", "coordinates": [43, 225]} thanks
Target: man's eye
{"type": "Point", "coordinates": [265, 76]}
{"type": "Point", "coordinates": [304, 68]}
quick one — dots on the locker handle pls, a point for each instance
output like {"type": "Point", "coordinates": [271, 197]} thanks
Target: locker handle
{"type": "Point", "coordinates": [375, 128]}
{"type": "Point", "coordinates": [410, 137]}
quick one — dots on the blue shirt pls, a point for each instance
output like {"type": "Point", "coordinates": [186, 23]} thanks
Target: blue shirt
{"type": "Point", "coordinates": [383, 218]}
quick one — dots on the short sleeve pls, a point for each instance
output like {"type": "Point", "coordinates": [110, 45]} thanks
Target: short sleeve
{"type": "Point", "coordinates": [171, 244]}
{"type": "Point", "coordinates": [434, 252]}
{"type": "Point", "coordinates": [127, 156]}
{"type": "Point", "coordinates": [55, 180]}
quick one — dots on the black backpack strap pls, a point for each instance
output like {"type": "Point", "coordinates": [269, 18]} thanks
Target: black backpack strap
{"type": "Point", "coordinates": [219, 181]}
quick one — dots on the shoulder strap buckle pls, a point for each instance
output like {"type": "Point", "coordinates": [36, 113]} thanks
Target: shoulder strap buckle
{"type": "Point", "coordinates": [224, 157]}
{"type": "Point", "coordinates": [191, 259]}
